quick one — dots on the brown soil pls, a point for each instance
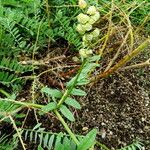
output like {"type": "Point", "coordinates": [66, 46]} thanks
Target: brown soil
{"type": "Point", "coordinates": [119, 108]}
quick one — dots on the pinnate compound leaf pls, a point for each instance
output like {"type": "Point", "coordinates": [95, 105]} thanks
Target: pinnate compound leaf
{"type": "Point", "coordinates": [52, 92]}
{"type": "Point", "coordinates": [72, 102]}
{"type": "Point", "coordinates": [78, 92]}
{"type": "Point", "coordinates": [50, 142]}
{"type": "Point", "coordinates": [94, 58]}
{"type": "Point", "coordinates": [45, 140]}
{"type": "Point", "coordinates": [70, 83]}
{"type": "Point", "coordinates": [133, 147]}
{"type": "Point", "coordinates": [37, 126]}
{"type": "Point", "coordinates": [66, 144]}
{"type": "Point", "coordinates": [88, 140]}
{"type": "Point", "coordinates": [83, 82]}
{"type": "Point", "coordinates": [40, 148]}
{"type": "Point", "coordinates": [67, 113]}
{"type": "Point", "coordinates": [58, 145]}
{"type": "Point", "coordinates": [49, 107]}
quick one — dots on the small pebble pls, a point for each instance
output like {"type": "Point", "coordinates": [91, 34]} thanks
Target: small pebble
{"type": "Point", "coordinates": [85, 128]}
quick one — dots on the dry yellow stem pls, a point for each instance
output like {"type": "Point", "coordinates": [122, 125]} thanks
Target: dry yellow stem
{"type": "Point", "coordinates": [122, 62]}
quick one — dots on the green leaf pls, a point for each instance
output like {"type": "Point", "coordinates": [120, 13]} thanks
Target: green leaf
{"type": "Point", "coordinates": [138, 144]}
{"type": "Point", "coordinates": [40, 148]}
{"type": "Point", "coordinates": [72, 102]}
{"type": "Point", "coordinates": [50, 142]}
{"type": "Point", "coordinates": [70, 83]}
{"type": "Point", "coordinates": [49, 107]}
{"type": "Point", "coordinates": [37, 126]}
{"type": "Point", "coordinates": [67, 113]}
{"type": "Point", "coordinates": [78, 92]}
{"type": "Point", "coordinates": [73, 145]}
{"type": "Point", "coordinates": [130, 148]}
{"type": "Point", "coordinates": [52, 92]}
{"type": "Point", "coordinates": [87, 69]}
{"type": "Point", "coordinates": [133, 147]}
{"type": "Point", "coordinates": [83, 81]}
{"type": "Point", "coordinates": [58, 145]}
{"type": "Point", "coordinates": [66, 144]}
{"type": "Point", "coordinates": [46, 140]}
{"type": "Point", "coordinates": [94, 58]}
{"type": "Point", "coordinates": [88, 140]}
{"type": "Point", "coordinates": [20, 115]}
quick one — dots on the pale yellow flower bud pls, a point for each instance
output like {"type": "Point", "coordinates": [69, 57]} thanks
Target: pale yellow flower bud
{"type": "Point", "coordinates": [87, 27]}
{"type": "Point", "coordinates": [96, 16]}
{"type": "Point", "coordinates": [80, 29]}
{"type": "Point", "coordinates": [96, 33]}
{"type": "Point", "coordinates": [82, 18]}
{"type": "Point", "coordinates": [84, 39]}
{"type": "Point", "coordinates": [82, 4]}
{"type": "Point", "coordinates": [88, 37]}
{"type": "Point", "coordinates": [91, 21]}
{"type": "Point", "coordinates": [82, 53]}
{"type": "Point", "coordinates": [91, 10]}
{"type": "Point", "coordinates": [85, 52]}
{"type": "Point", "coordinates": [89, 52]}
{"type": "Point", "coordinates": [85, 43]}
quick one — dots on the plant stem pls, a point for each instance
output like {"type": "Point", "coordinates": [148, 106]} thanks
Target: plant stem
{"type": "Point", "coordinates": [122, 62]}
{"type": "Point", "coordinates": [66, 127]}
{"type": "Point", "coordinates": [55, 111]}
{"type": "Point", "coordinates": [102, 146]}
{"type": "Point", "coordinates": [69, 90]}
{"type": "Point", "coordinates": [4, 92]}
{"type": "Point", "coordinates": [23, 103]}
{"type": "Point", "coordinates": [139, 65]}
{"type": "Point", "coordinates": [18, 133]}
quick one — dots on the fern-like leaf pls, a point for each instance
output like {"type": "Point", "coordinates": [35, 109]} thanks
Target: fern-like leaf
{"type": "Point", "coordinates": [49, 140]}
{"type": "Point", "coordinates": [137, 145]}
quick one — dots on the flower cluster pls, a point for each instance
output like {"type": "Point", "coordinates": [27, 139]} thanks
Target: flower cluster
{"type": "Point", "coordinates": [85, 27]}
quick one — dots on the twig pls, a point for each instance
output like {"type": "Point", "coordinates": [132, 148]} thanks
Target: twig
{"type": "Point", "coordinates": [110, 29]}
{"type": "Point", "coordinates": [102, 146]}
{"type": "Point", "coordinates": [139, 65]}
{"type": "Point", "coordinates": [129, 26]}
{"type": "Point", "coordinates": [122, 62]}
{"type": "Point", "coordinates": [43, 62]}
{"type": "Point", "coordinates": [18, 133]}
{"type": "Point", "coordinates": [117, 53]}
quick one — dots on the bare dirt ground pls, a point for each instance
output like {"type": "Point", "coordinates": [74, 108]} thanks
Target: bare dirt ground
{"type": "Point", "coordinates": [119, 108]}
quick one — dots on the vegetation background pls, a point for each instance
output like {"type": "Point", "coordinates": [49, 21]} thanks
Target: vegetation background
{"type": "Point", "coordinates": [42, 87]}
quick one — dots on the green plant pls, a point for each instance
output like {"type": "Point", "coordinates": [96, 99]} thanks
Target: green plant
{"type": "Point", "coordinates": [27, 29]}
{"type": "Point", "coordinates": [10, 71]}
{"type": "Point", "coordinates": [59, 102]}
{"type": "Point", "coordinates": [5, 144]}
{"type": "Point", "coordinates": [135, 145]}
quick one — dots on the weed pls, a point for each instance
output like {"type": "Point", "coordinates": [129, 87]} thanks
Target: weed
{"type": "Point", "coordinates": [27, 28]}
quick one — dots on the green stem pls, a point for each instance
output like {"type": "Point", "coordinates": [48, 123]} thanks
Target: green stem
{"type": "Point", "coordinates": [69, 90]}
{"type": "Point", "coordinates": [66, 127]}
{"type": "Point", "coordinates": [102, 146]}
{"type": "Point", "coordinates": [18, 132]}
{"type": "Point", "coordinates": [4, 93]}
{"type": "Point", "coordinates": [24, 103]}
{"type": "Point", "coordinates": [55, 111]}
